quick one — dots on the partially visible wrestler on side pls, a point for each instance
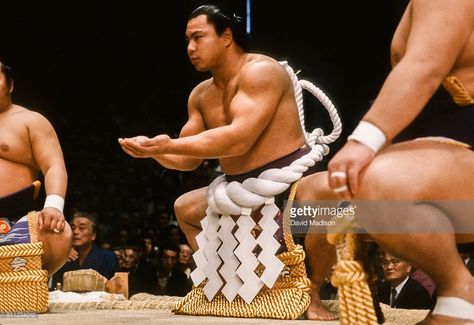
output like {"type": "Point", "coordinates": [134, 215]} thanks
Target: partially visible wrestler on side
{"type": "Point", "coordinates": [30, 148]}
{"type": "Point", "coordinates": [429, 93]}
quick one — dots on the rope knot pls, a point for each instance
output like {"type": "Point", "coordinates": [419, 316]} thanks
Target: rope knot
{"type": "Point", "coordinates": [348, 272]}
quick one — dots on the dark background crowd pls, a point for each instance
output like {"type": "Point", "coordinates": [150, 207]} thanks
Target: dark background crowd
{"type": "Point", "coordinates": [103, 70]}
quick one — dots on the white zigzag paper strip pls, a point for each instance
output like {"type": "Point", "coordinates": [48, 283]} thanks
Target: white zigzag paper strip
{"type": "Point", "coordinates": [266, 240]}
{"type": "Point", "coordinates": [244, 251]}
{"type": "Point", "coordinates": [213, 260]}
{"type": "Point", "coordinates": [198, 275]}
{"type": "Point", "coordinates": [231, 262]}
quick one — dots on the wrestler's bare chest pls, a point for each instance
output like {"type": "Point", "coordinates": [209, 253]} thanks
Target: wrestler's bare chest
{"type": "Point", "coordinates": [14, 141]}
{"type": "Point", "coordinates": [215, 104]}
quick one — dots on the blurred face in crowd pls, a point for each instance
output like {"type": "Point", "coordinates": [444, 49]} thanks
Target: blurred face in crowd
{"type": "Point", "coordinates": [395, 269]}
{"type": "Point", "coordinates": [169, 259]}
{"type": "Point", "coordinates": [174, 236]}
{"type": "Point", "coordinates": [130, 258]}
{"type": "Point", "coordinates": [184, 255]}
{"type": "Point", "coordinates": [148, 244]}
{"type": "Point", "coordinates": [82, 232]}
{"type": "Point", "coordinates": [119, 254]}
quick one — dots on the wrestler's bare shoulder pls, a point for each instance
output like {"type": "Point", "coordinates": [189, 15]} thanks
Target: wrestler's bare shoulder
{"type": "Point", "coordinates": [202, 87]}
{"type": "Point", "coordinates": [262, 66]}
{"type": "Point", "coordinates": [22, 114]}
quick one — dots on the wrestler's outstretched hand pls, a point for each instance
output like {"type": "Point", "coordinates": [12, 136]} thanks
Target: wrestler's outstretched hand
{"type": "Point", "coordinates": [144, 147]}
{"type": "Point", "coordinates": [345, 168]}
{"type": "Point", "coordinates": [51, 219]}
{"type": "Point", "coordinates": [133, 146]}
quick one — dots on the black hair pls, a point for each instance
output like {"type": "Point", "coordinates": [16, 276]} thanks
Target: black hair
{"type": "Point", "coordinates": [7, 71]}
{"type": "Point", "coordinates": [223, 18]}
{"type": "Point", "coordinates": [168, 247]}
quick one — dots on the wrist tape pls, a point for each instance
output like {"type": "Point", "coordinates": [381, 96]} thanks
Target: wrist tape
{"type": "Point", "coordinates": [368, 134]}
{"type": "Point", "coordinates": [54, 201]}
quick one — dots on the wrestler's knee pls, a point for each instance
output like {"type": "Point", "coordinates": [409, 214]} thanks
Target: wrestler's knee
{"type": "Point", "coordinates": [383, 179]}
{"type": "Point", "coordinates": [184, 208]}
{"type": "Point", "coordinates": [180, 207]}
{"type": "Point", "coordinates": [56, 248]}
{"type": "Point", "coordinates": [315, 187]}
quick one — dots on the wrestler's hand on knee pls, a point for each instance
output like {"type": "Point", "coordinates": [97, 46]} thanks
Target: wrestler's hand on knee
{"type": "Point", "coordinates": [345, 167]}
{"type": "Point", "coordinates": [51, 219]}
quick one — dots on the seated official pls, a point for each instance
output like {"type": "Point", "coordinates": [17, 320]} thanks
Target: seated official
{"type": "Point", "coordinates": [84, 253]}
{"type": "Point", "coordinates": [399, 290]}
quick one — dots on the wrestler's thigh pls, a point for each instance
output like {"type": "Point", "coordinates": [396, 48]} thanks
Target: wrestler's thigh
{"type": "Point", "coordinates": [191, 206]}
{"type": "Point", "coordinates": [315, 187]}
{"type": "Point", "coordinates": [419, 170]}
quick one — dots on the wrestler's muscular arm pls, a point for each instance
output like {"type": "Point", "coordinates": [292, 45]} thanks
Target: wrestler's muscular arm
{"type": "Point", "coordinates": [261, 85]}
{"type": "Point", "coordinates": [438, 33]}
{"type": "Point", "coordinates": [48, 155]}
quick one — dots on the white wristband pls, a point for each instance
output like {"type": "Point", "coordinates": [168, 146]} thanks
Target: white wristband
{"type": "Point", "coordinates": [368, 134]}
{"type": "Point", "coordinates": [54, 201]}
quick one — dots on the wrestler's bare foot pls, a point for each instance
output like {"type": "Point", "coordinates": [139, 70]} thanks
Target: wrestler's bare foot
{"type": "Point", "coordinates": [466, 293]}
{"type": "Point", "coordinates": [316, 311]}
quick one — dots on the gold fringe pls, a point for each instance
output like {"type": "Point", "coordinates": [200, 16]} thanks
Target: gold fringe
{"type": "Point", "coordinates": [355, 298]}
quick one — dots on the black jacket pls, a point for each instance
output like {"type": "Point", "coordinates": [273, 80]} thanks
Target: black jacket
{"type": "Point", "coordinates": [412, 296]}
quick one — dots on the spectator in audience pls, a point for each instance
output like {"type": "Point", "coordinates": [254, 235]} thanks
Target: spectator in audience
{"type": "Point", "coordinates": [172, 235]}
{"type": "Point", "coordinates": [143, 274]}
{"type": "Point", "coordinates": [118, 251]}
{"type": "Point", "coordinates": [170, 281]}
{"type": "Point", "coordinates": [399, 290]}
{"type": "Point", "coordinates": [136, 280]}
{"type": "Point", "coordinates": [185, 260]}
{"type": "Point", "coordinates": [149, 250]}
{"type": "Point", "coordinates": [84, 253]}
{"type": "Point", "coordinates": [130, 259]}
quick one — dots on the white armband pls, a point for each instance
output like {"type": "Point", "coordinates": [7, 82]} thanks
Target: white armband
{"type": "Point", "coordinates": [54, 201]}
{"type": "Point", "coordinates": [368, 134]}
